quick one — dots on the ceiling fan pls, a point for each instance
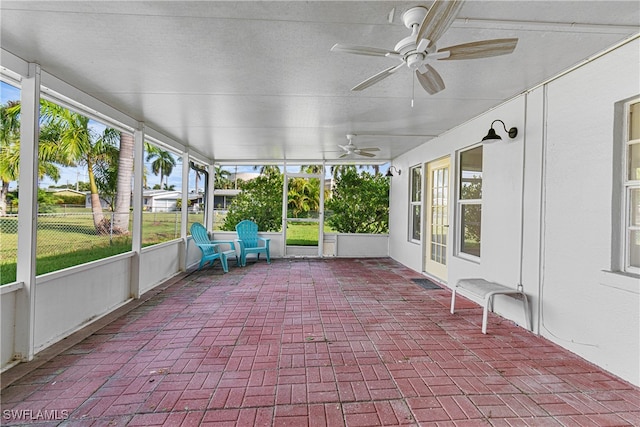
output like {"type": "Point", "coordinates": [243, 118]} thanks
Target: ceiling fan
{"type": "Point", "coordinates": [351, 149]}
{"type": "Point", "coordinates": [418, 49]}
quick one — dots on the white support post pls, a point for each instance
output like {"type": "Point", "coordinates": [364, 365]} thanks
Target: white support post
{"type": "Point", "coordinates": [321, 213]}
{"type": "Point", "coordinates": [211, 182]}
{"type": "Point", "coordinates": [136, 237]}
{"type": "Point", "coordinates": [285, 190]}
{"type": "Point", "coordinates": [184, 218]}
{"type": "Point", "coordinates": [25, 327]}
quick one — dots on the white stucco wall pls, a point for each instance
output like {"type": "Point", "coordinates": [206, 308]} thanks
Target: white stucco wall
{"type": "Point", "coordinates": [581, 309]}
{"type": "Point", "coordinates": [548, 195]}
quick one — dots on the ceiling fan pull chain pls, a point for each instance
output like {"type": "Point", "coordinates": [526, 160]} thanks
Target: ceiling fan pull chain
{"type": "Point", "coordinates": [413, 89]}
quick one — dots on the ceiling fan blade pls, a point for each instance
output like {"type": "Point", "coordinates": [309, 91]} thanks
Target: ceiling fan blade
{"type": "Point", "coordinates": [361, 50]}
{"type": "Point", "coordinates": [370, 149]}
{"type": "Point", "coordinates": [438, 19]}
{"type": "Point", "coordinates": [480, 49]}
{"type": "Point", "coordinates": [342, 156]}
{"type": "Point", "coordinates": [430, 80]}
{"type": "Point", "coordinates": [375, 79]}
{"type": "Point", "coordinates": [364, 153]}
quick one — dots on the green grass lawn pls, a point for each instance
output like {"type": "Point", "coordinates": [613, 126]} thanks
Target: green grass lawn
{"type": "Point", "coordinates": [66, 241]}
{"type": "Point", "coordinates": [304, 234]}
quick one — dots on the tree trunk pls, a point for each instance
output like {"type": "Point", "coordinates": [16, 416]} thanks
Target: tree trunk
{"type": "Point", "coordinates": [123, 191]}
{"type": "Point", "coordinates": [99, 221]}
{"type": "Point", "coordinates": [3, 198]}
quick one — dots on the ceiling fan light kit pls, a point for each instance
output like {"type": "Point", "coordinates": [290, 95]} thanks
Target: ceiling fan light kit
{"type": "Point", "coordinates": [417, 50]}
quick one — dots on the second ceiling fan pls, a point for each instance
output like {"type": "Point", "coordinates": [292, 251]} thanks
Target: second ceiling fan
{"type": "Point", "coordinates": [351, 149]}
{"type": "Point", "coordinates": [418, 49]}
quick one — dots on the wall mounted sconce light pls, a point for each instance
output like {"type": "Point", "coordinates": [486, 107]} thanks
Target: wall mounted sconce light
{"type": "Point", "coordinates": [493, 136]}
{"type": "Point", "coordinates": [396, 169]}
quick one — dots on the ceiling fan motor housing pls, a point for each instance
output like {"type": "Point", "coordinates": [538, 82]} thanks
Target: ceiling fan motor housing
{"type": "Point", "coordinates": [414, 16]}
{"type": "Point", "coordinates": [407, 47]}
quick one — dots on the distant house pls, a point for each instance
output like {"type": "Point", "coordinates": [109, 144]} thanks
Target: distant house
{"type": "Point", "coordinates": [66, 192]}
{"type": "Point", "coordinates": [196, 202]}
{"type": "Point", "coordinates": [167, 200]}
{"type": "Point", "coordinates": [160, 200]}
{"type": "Point", "coordinates": [222, 198]}
{"type": "Point", "coordinates": [104, 202]}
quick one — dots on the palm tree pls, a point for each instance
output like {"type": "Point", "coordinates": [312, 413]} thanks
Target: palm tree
{"type": "Point", "coordinates": [303, 196]}
{"type": "Point", "coordinates": [200, 171]}
{"type": "Point", "coordinates": [312, 169]}
{"type": "Point", "coordinates": [163, 162]}
{"type": "Point", "coordinates": [268, 170]}
{"type": "Point", "coordinates": [223, 178]}
{"type": "Point", "coordinates": [339, 170]}
{"type": "Point", "coordinates": [80, 143]}
{"type": "Point", "coordinates": [9, 149]}
{"type": "Point", "coordinates": [125, 175]}
{"type": "Point", "coordinates": [49, 153]}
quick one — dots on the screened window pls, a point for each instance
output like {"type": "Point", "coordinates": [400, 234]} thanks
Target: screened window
{"type": "Point", "coordinates": [162, 195]}
{"type": "Point", "coordinates": [415, 208]}
{"type": "Point", "coordinates": [9, 161]}
{"type": "Point", "coordinates": [632, 188]}
{"type": "Point", "coordinates": [74, 228]}
{"type": "Point", "coordinates": [470, 201]}
{"type": "Point", "coordinates": [197, 195]}
{"type": "Point", "coordinates": [250, 192]}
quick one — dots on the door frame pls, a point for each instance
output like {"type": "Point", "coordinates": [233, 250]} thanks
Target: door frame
{"type": "Point", "coordinates": [433, 268]}
{"type": "Point", "coordinates": [285, 203]}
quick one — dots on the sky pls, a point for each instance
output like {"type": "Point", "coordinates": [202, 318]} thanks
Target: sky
{"type": "Point", "coordinates": [70, 175]}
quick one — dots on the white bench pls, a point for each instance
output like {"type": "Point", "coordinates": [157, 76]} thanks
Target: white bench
{"type": "Point", "coordinates": [486, 290]}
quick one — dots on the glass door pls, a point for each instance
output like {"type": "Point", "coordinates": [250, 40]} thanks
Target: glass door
{"type": "Point", "coordinates": [437, 224]}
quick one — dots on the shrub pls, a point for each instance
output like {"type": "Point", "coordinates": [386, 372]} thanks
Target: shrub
{"type": "Point", "coordinates": [359, 203]}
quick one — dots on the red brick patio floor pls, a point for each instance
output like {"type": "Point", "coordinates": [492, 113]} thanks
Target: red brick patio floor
{"type": "Point", "coordinates": [339, 342]}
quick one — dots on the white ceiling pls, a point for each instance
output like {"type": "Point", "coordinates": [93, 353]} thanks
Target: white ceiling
{"type": "Point", "coordinates": [257, 81]}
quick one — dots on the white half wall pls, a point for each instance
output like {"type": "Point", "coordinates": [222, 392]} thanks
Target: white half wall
{"type": "Point", "coordinates": [354, 245]}
{"type": "Point", "coordinates": [159, 262]}
{"type": "Point", "coordinates": [66, 302]}
{"type": "Point", "coordinates": [7, 321]}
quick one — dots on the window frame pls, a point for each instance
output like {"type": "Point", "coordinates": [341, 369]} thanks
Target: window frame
{"type": "Point", "coordinates": [628, 186]}
{"type": "Point", "coordinates": [461, 204]}
{"type": "Point", "coordinates": [415, 204]}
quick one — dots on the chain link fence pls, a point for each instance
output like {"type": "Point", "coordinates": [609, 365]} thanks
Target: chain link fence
{"type": "Point", "coordinates": [63, 233]}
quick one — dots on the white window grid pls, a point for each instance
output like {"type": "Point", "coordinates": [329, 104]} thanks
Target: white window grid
{"type": "Point", "coordinates": [631, 185]}
{"type": "Point", "coordinates": [415, 203]}
{"type": "Point", "coordinates": [460, 204]}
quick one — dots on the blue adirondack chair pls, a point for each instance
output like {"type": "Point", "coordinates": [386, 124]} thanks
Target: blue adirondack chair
{"type": "Point", "coordinates": [212, 249]}
{"type": "Point", "coordinates": [249, 241]}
